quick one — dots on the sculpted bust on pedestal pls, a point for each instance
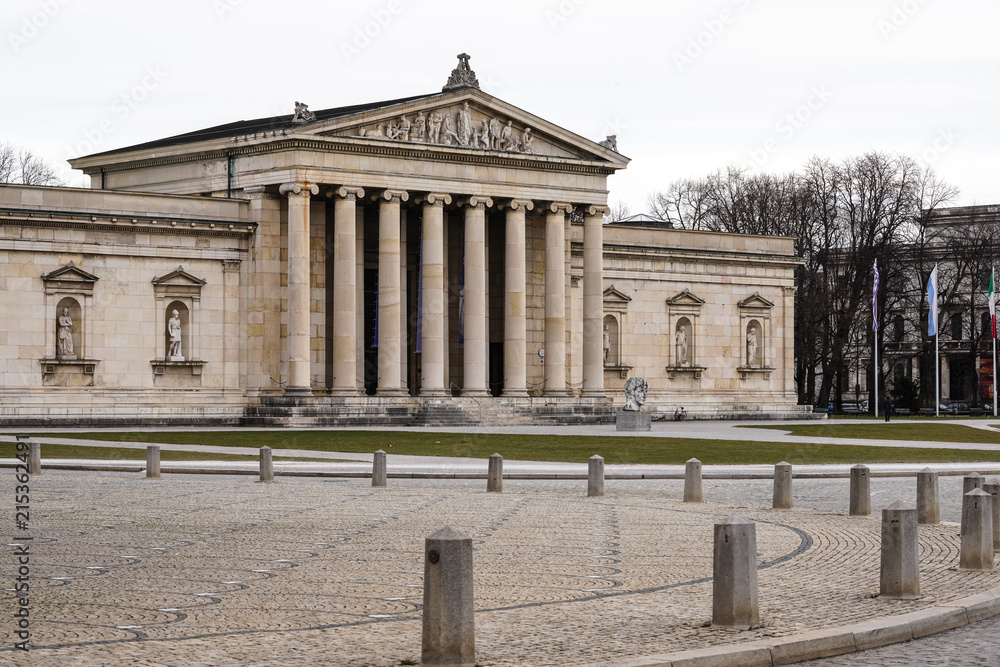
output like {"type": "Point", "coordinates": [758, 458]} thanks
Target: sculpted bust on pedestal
{"type": "Point", "coordinates": [635, 394]}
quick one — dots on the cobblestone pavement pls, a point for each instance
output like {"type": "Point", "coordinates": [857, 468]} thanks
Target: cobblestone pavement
{"type": "Point", "coordinates": [222, 570]}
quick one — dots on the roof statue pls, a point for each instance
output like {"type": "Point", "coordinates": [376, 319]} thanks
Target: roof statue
{"type": "Point", "coordinates": [611, 142]}
{"type": "Point", "coordinates": [462, 76]}
{"type": "Point", "coordinates": [302, 113]}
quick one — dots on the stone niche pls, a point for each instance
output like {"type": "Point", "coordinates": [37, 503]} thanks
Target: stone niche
{"type": "Point", "coordinates": [684, 314]}
{"type": "Point", "coordinates": [69, 295]}
{"type": "Point", "coordinates": [614, 326]}
{"type": "Point", "coordinates": [178, 292]}
{"type": "Point", "coordinates": [755, 337]}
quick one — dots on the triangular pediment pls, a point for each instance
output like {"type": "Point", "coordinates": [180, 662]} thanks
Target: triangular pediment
{"type": "Point", "coordinates": [685, 298]}
{"type": "Point", "coordinates": [70, 273]}
{"type": "Point", "coordinates": [755, 300]}
{"type": "Point", "coordinates": [613, 295]}
{"type": "Point", "coordinates": [466, 119]}
{"type": "Point", "coordinates": [179, 277]}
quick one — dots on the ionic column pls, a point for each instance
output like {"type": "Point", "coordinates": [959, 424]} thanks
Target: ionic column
{"type": "Point", "coordinates": [345, 353]}
{"type": "Point", "coordinates": [514, 323]}
{"type": "Point", "coordinates": [298, 286]}
{"type": "Point", "coordinates": [474, 382]}
{"type": "Point", "coordinates": [432, 296]}
{"type": "Point", "coordinates": [593, 301]}
{"type": "Point", "coordinates": [555, 299]}
{"type": "Point", "coordinates": [389, 312]}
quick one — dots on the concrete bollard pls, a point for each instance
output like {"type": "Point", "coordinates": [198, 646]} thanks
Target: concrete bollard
{"type": "Point", "coordinates": [152, 462]}
{"type": "Point", "coordinates": [34, 458]}
{"type": "Point", "coordinates": [971, 481]}
{"type": "Point", "coordinates": [977, 532]}
{"type": "Point", "coordinates": [379, 474]}
{"type": "Point", "coordinates": [494, 475]}
{"type": "Point", "coordinates": [900, 574]}
{"type": "Point", "coordinates": [993, 488]}
{"type": "Point", "coordinates": [734, 574]}
{"type": "Point", "coordinates": [449, 636]}
{"type": "Point", "coordinates": [266, 465]}
{"type": "Point", "coordinates": [861, 495]}
{"type": "Point", "coordinates": [928, 508]}
{"type": "Point", "coordinates": [782, 497]}
{"type": "Point", "coordinates": [692, 481]}
{"type": "Point", "coordinates": [595, 476]}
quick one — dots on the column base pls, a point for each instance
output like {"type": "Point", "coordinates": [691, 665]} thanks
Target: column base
{"type": "Point", "coordinates": [298, 392]}
{"type": "Point", "coordinates": [476, 393]}
{"type": "Point", "coordinates": [555, 393]}
{"type": "Point", "coordinates": [593, 393]}
{"type": "Point", "coordinates": [345, 392]}
{"type": "Point", "coordinates": [434, 393]}
{"type": "Point", "coordinates": [392, 392]}
{"type": "Point", "coordinates": [515, 393]}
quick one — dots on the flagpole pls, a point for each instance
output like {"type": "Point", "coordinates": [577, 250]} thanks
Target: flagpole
{"type": "Point", "coordinates": [993, 331]}
{"type": "Point", "coordinates": [876, 375]}
{"type": "Point", "coordinates": [875, 328]}
{"type": "Point", "coordinates": [937, 375]}
{"type": "Point", "coordinates": [994, 376]}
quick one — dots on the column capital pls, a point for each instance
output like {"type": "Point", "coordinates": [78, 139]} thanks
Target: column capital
{"type": "Point", "coordinates": [595, 209]}
{"type": "Point", "coordinates": [514, 204]}
{"type": "Point", "coordinates": [259, 192]}
{"type": "Point", "coordinates": [557, 207]}
{"type": "Point", "coordinates": [476, 201]}
{"type": "Point", "coordinates": [434, 199]}
{"type": "Point", "coordinates": [393, 195]}
{"type": "Point", "coordinates": [298, 189]}
{"type": "Point", "coordinates": [347, 192]}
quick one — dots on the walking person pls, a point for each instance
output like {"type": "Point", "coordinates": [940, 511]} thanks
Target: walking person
{"type": "Point", "coordinates": [887, 406]}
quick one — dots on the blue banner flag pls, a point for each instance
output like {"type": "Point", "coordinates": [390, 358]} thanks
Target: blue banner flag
{"type": "Point", "coordinates": [875, 297]}
{"type": "Point", "coordinates": [932, 315]}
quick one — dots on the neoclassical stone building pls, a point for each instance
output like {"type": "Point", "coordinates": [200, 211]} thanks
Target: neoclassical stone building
{"type": "Point", "coordinates": [433, 258]}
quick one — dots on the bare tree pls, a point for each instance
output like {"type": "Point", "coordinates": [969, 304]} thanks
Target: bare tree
{"type": "Point", "coordinates": [21, 166]}
{"type": "Point", "coordinates": [619, 211]}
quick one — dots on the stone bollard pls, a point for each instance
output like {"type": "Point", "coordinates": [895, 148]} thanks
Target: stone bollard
{"type": "Point", "coordinates": [266, 465]}
{"type": "Point", "coordinates": [900, 576]}
{"type": "Point", "coordinates": [782, 498]}
{"type": "Point", "coordinates": [928, 508]}
{"type": "Point", "coordinates": [595, 476]}
{"type": "Point", "coordinates": [379, 469]}
{"type": "Point", "coordinates": [861, 496]}
{"type": "Point", "coordinates": [494, 475]}
{"type": "Point", "coordinates": [692, 481]}
{"type": "Point", "coordinates": [152, 462]}
{"type": "Point", "coordinates": [449, 635]}
{"type": "Point", "coordinates": [993, 488]}
{"type": "Point", "coordinates": [734, 574]}
{"type": "Point", "coordinates": [971, 481]}
{"type": "Point", "coordinates": [34, 458]}
{"type": "Point", "coordinates": [977, 532]}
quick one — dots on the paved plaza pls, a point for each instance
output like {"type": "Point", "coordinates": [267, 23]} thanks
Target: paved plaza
{"type": "Point", "coordinates": [221, 570]}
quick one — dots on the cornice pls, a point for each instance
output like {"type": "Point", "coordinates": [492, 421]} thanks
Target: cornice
{"type": "Point", "coordinates": [107, 222]}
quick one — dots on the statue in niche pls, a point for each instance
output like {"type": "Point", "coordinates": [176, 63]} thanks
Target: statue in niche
{"type": "Point", "coordinates": [450, 136]}
{"type": "Point", "coordinates": [484, 135]}
{"type": "Point", "coordinates": [526, 139]}
{"type": "Point", "coordinates": [681, 346]}
{"type": "Point", "coordinates": [751, 346]}
{"type": "Point", "coordinates": [174, 330]}
{"type": "Point", "coordinates": [495, 134]}
{"type": "Point", "coordinates": [64, 336]}
{"type": "Point", "coordinates": [302, 113]}
{"type": "Point", "coordinates": [635, 393]}
{"type": "Point", "coordinates": [607, 344]}
{"type": "Point", "coordinates": [464, 125]}
{"type": "Point", "coordinates": [403, 129]}
{"type": "Point", "coordinates": [505, 136]}
{"type": "Point", "coordinates": [434, 127]}
{"type": "Point", "coordinates": [419, 127]}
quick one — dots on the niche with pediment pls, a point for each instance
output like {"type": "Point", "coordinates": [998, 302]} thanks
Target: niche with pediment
{"type": "Point", "coordinates": [683, 316]}
{"type": "Point", "coordinates": [69, 296]}
{"type": "Point", "coordinates": [755, 336]}
{"type": "Point", "coordinates": [615, 310]}
{"type": "Point", "coordinates": [178, 302]}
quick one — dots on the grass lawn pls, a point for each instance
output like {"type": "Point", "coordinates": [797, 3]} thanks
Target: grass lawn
{"type": "Point", "coordinates": [872, 430]}
{"type": "Point", "coordinates": [9, 450]}
{"type": "Point", "coordinates": [545, 447]}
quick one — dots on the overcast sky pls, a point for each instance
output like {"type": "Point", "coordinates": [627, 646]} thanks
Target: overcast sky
{"type": "Point", "coordinates": [688, 87]}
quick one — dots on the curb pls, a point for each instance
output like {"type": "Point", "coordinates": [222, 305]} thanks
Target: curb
{"type": "Point", "coordinates": [831, 641]}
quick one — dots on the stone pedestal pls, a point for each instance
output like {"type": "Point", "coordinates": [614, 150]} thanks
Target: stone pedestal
{"type": "Point", "coordinates": [34, 458]}
{"type": "Point", "coordinates": [782, 496]}
{"type": "Point", "coordinates": [993, 488]}
{"type": "Point", "coordinates": [595, 476]}
{"type": "Point", "coordinates": [692, 481]}
{"type": "Point", "coordinates": [734, 574]}
{"type": "Point", "coordinates": [626, 420]}
{"type": "Point", "coordinates": [152, 462]}
{"type": "Point", "coordinates": [928, 508]}
{"type": "Point", "coordinates": [449, 636]}
{"type": "Point", "coordinates": [494, 477]}
{"type": "Point", "coordinates": [977, 532]}
{"type": "Point", "coordinates": [861, 497]}
{"type": "Point", "coordinates": [266, 465]}
{"type": "Point", "coordinates": [379, 469]}
{"type": "Point", "coordinates": [900, 572]}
